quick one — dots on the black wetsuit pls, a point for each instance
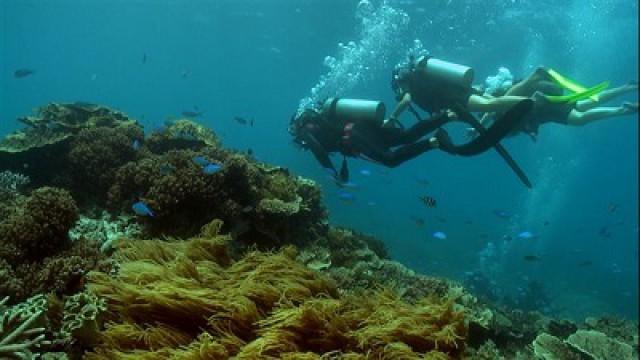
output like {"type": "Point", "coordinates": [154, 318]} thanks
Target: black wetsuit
{"type": "Point", "coordinates": [388, 146]}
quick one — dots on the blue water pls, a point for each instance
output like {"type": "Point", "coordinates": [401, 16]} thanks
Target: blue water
{"type": "Point", "coordinates": [260, 59]}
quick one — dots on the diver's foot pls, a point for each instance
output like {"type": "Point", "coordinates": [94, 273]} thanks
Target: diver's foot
{"type": "Point", "coordinates": [631, 85]}
{"type": "Point", "coordinates": [444, 141]}
{"type": "Point", "coordinates": [629, 108]}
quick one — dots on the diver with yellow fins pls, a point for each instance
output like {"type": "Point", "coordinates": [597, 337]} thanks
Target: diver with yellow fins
{"type": "Point", "coordinates": [561, 100]}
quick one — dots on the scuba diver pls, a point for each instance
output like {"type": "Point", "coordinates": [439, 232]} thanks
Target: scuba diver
{"type": "Point", "coordinates": [435, 85]}
{"type": "Point", "coordinates": [549, 90]}
{"type": "Point", "coordinates": [355, 128]}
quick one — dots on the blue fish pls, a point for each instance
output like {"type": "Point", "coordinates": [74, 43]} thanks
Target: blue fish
{"type": "Point", "coordinates": [201, 160]}
{"type": "Point", "coordinates": [141, 209]}
{"type": "Point", "coordinates": [211, 168]}
{"type": "Point", "coordinates": [346, 196]}
{"type": "Point", "coordinates": [136, 145]}
{"type": "Point", "coordinates": [365, 172]}
{"type": "Point", "coordinates": [440, 235]}
{"type": "Point", "coordinates": [526, 235]}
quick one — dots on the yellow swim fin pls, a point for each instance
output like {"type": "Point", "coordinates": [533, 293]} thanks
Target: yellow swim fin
{"type": "Point", "coordinates": [586, 93]}
{"type": "Point", "coordinates": [572, 85]}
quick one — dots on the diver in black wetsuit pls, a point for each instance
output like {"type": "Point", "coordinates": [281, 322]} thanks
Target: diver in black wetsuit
{"type": "Point", "coordinates": [355, 129]}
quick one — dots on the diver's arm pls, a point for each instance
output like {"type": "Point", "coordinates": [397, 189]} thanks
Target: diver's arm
{"type": "Point", "coordinates": [402, 105]}
{"type": "Point", "coordinates": [319, 152]}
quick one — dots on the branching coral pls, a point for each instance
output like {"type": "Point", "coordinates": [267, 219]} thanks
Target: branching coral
{"type": "Point", "coordinates": [11, 184]}
{"type": "Point", "coordinates": [19, 331]}
{"type": "Point", "coordinates": [184, 299]}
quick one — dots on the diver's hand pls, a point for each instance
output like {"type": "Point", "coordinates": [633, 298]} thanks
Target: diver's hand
{"type": "Point", "coordinates": [451, 114]}
{"type": "Point", "coordinates": [389, 123]}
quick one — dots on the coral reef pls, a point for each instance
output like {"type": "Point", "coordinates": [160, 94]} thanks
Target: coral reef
{"type": "Point", "coordinates": [181, 134]}
{"type": "Point", "coordinates": [96, 153]}
{"type": "Point", "coordinates": [184, 298]}
{"type": "Point", "coordinates": [40, 225]}
{"type": "Point", "coordinates": [41, 149]}
{"type": "Point", "coordinates": [583, 345]}
{"type": "Point", "coordinates": [36, 254]}
{"type": "Point", "coordinates": [255, 201]}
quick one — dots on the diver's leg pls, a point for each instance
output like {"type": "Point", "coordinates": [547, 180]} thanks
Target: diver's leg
{"type": "Point", "coordinates": [417, 131]}
{"type": "Point", "coordinates": [580, 118]}
{"type": "Point", "coordinates": [500, 104]}
{"type": "Point", "coordinates": [404, 153]}
{"type": "Point", "coordinates": [529, 85]}
{"type": "Point", "coordinates": [586, 104]}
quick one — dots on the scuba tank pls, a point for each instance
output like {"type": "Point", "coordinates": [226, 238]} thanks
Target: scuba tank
{"type": "Point", "coordinates": [459, 75]}
{"type": "Point", "coordinates": [354, 110]}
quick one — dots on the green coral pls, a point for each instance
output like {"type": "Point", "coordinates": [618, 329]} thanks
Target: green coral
{"type": "Point", "coordinates": [82, 318]}
{"type": "Point", "coordinates": [20, 333]}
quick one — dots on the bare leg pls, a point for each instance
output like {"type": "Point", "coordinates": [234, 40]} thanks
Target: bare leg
{"type": "Point", "coordinates": [584, 105]}
{"type": "Point", "coordinates": [500, 104]}
{"type": "Point", "coordinates": [580, 118]}
{"type": "Point", "coordinates": [529, 85]}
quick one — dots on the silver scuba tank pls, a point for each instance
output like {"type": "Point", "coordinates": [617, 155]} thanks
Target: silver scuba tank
{"type": "Point", "coordinates": [452, 73]}
{"type": "Point", "coordinates": [355, 110]}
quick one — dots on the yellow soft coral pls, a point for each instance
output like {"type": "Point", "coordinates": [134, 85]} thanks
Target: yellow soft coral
{"type": "Point", "coordinates": [190, 300]}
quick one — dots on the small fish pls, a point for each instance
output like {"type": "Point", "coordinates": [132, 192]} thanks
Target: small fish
{"type": "Point", "coordinates": [526, 235]}
{"type": "Point", "coordinates": [428, 201]}
{"type": "Point", "coordinates": [365, 172]}
{"type": "Point", "coordinates": [250, 151]}
{"type": "Point", "coordinates": [192, 114]}
{"type": "Point", "coordinates": [418, 221]}
{"type": "Point", "coordinates": [136, 145]}
{"type": "Point", "coordinates": [141, 209]}
{"type": "Point", "coordinates": [201, 160]}
{"type": "Point", "coordinates": [144, 58]}
{"type": "Point", "coordinates": [346, 196]}
{"type": "Point", "coordinates": [546, 223]}
{"type": "Point", "coordinates": [243, 121]}
{"type": "Point", "coordinates": [212, 168]}
{"type": "Point", "coordinates": [531, 258]}
{"type": "Point", "coordinates": [184, 73]}
{"type": "Point", "coordinates": [439, 235]}
{"type": "Point", "coordinates": [422, 181]}
{"type": "Point", "coordinates": [613, 207]}
{"type": "Point", "coordinates": [502, 214]}
{"type": "Point", "coordinates": [22, 73]}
